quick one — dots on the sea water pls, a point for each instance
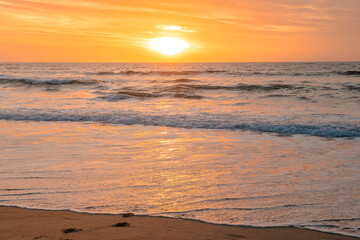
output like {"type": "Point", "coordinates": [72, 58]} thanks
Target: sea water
{"type": "Point", "coordinates": [260, 144]}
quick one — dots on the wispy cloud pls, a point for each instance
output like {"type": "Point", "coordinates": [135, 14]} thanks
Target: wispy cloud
{"type": "Point", "coordinates": [175, 28]}
{"type": "Point", "coordinates": [217, 23]}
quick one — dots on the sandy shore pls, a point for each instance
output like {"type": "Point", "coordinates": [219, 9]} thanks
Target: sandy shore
{"type": "Point", "coordinates": [18, 223]}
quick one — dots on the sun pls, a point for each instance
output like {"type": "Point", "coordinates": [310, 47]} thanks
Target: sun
{"type": "Point", "coordinates": [168, 45]}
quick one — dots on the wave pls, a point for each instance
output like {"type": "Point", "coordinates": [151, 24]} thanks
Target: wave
{"type": "Point", "coordinates": [352, 87]}
{"type": "Point", "coordinates": [44, 82]}
{"type": "Point", "coordinates": [188, 91]}
{"type": "Point", "coordinates": [237, 73]}
{"type": "Point", "coordinates": [225, 199]}
{"type": "Point", "coordinates": [123, 95]}
{"type": "Point", "coordinates": [238, 87]}
{"type": "Point", "coordinates": [185, 90]}
{"type": "Point", "coordinates": [140, 94]}
{"type": "Point", "coordinates": [230, 72]}
{"type": "Point", "coordinates": [15, 189]}
{"type": "Point", "coordinates": [161, 73]}
{"type": "Point", "coordinates": [338, 220]}
{"type": "Point", "coordinates": [349, 73]}
{"type": "Point", "coordinates": [295, 74]}
{"type": "Point", "coordinates": [188, 96]}
{"type": "Point", "coordinates": [320, 225]}
{"type": "Point", "coordinates": [21, 194]}
{"type": "Point", "coordinates": [208, 121]}
{"type": "Point", "coordinates": [35, 193]}
{"type": "Point", "coordinates": [183, 80]}
{"type": "Point", "coordinates": [239, 209]}
{"type": "Point", "coordinates": [279, 95]}
{"type": "Point", "coordinates": [105, 73]}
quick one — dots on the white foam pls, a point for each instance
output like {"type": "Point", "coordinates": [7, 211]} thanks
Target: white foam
{"type": "Point", "coordinates": [209, 121]}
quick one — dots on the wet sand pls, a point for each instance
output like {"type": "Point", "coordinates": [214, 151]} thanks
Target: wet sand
{"type": "Point", "coordinates": [19, 223]}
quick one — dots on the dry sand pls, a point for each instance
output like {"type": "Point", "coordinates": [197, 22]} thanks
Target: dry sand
{"type": "Point", "coordinates": [18, 223]}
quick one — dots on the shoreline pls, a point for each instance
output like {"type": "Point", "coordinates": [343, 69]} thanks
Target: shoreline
{"type": "Point", "coordinates": [26, 223]}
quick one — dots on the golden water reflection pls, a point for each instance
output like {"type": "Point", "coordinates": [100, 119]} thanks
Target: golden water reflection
{"type": "Point", "coordinates": [153, 170]}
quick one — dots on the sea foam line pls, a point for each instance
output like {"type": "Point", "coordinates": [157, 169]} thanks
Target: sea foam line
{"type": "Point", "coordinates": [211, 121]}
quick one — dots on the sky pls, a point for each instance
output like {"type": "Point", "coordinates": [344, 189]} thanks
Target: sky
{"type": "Point", "coordinates": [215, 30]}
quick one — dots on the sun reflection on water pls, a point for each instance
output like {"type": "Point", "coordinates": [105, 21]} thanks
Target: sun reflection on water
{"type": "Point", "coordinates": [178, 172]}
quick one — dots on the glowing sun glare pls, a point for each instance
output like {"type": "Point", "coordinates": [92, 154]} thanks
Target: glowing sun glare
{"type": "Point", "coordinates": [168, 46]}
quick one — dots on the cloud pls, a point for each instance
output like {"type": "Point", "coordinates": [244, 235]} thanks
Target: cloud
{"type": "Point", "coordinates": [175, 28]}
{"type": "Point", "coordinates": [219, 21]}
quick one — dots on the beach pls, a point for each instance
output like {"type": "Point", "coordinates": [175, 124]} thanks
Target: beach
{"type": "Point", "coordinates": [18, 223]}
{"type": "Point", "coordinates": [185, 119]}
{"type": "Point", "coordinates": [243, 144]}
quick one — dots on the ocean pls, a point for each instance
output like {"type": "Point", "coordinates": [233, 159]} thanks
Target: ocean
{"type": "Point", "coordinates": [256, 144]}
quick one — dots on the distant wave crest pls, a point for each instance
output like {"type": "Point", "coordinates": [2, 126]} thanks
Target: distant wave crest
{"type": "Point", "coordinates": [43, 82]}
{"type": "Point", "coordinates": [161, 73]}
{"type": "Point", "coordinates": [349, 73]}
{"type": "Point", "coordinates": [230, 72]}
{"type": "Point", "coordinates": [188, 91]}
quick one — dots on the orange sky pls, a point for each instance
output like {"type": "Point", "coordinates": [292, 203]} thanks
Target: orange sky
{"type": "Point", "coordinates": [217, 30]}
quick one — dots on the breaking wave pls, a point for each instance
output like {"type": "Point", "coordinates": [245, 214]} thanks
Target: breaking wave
{"type": "Point", "coordinates": [209, 121]}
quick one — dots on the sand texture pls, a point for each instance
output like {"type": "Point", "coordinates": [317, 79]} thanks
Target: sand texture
{"type": "Point", "coordinates": [18, 223]}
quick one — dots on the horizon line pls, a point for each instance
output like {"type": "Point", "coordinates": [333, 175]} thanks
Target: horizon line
{"type": "Point", "coordinates": [311, 61]}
